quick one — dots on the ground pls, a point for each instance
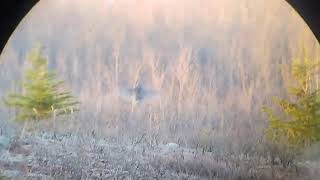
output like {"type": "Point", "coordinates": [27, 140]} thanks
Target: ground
{"type": "Point", "coordinates": [67, 156]}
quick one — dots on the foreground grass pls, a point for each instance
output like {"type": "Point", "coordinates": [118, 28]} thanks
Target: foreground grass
{"type": "Point", "coordinates": [75, 157]}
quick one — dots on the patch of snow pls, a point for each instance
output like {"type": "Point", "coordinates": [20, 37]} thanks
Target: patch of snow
{"type": "Point", "coordinates": [170, 147]}
{"type": "Point", "coordinates": [38, 176]}
{"type": "Point", "coordinates": [4, 142]}
{"type": "Point", "coordinates": [6, 156]}
{"type": "Point", "coordinates": [11, 173]}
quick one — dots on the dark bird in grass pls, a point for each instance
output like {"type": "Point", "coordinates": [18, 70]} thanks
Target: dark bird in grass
{"type": "Point", "coordinates": [138, 95]}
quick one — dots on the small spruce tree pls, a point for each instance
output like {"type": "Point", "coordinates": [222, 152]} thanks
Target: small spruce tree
{"type": "Point", "coordinates": [41, 96]}
{"type": "Point", "coordinates": [298, 122]}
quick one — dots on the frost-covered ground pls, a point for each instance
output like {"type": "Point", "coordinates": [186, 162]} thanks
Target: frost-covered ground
{"type": "Point", "coordinates": [45, 156]}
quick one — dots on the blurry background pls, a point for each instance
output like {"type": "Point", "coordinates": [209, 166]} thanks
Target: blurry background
{"type": "Point", "coordinates": [214, 64]}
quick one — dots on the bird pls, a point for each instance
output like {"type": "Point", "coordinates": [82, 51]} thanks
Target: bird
{"type": "Point", "coordinates": [138, 94]}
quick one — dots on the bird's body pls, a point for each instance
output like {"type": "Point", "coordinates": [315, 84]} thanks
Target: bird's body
{"type": "Point", "coordinates": [137, 95]}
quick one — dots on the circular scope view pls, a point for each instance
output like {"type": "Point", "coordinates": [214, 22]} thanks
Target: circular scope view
{"type": "Point", "coordinates": [170, 89]}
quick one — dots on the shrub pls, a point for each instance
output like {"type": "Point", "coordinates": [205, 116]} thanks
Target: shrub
{"type": "Point", "coordinates": [298, 122]}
